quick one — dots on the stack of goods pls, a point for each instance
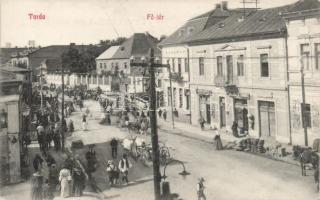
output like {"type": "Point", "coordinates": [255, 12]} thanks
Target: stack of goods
{"type": "Point", "coordinates": [254, 143]}
{"type": "Point", "coordinates": [297, 150]}
{"type": "Point", "coordinates": [261, 148]}
{"type": "Point", "coordinates": [248, 144]}
{"type": "Point", "coordinates": [241, 145]}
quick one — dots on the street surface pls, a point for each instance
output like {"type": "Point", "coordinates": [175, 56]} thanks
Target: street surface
{"type": "Point", "coordinates": [229, 174]}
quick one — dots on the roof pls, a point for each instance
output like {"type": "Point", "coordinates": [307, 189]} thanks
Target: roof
{"type": "Point", "coordinates": [53, 64]}
{"type": "Point", "coordinates": [304, 5]}
{"type": "Point", "coordinates": [137, 45]}
{"type": "Point", "coordinates": [5, 53]}
{"type": "Point", "coordinates": [107, 54]}
{"type": "Point", "coordinates": [6, 76]}
{"type": "Point", "coordinates": [198, 24]}
{"type": "Point", "coordinates": [261, 22]}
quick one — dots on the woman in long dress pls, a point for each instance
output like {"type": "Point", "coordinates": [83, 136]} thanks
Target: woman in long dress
{"type": "Point", "coordinates": [64, 178]}
{"type": "Point", "coordinates": [217, 139]}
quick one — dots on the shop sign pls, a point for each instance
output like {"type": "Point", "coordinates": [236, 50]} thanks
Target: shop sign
{"type": "Point", "coordinates": [203, 92]}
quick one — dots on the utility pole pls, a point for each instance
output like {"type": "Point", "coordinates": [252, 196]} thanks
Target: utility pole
{"type": "Point", "coordinates": [62, 108]}
{"type": "Point", "coordinates": [305, 128]}
{"type": "Point", "coordinates": [41, 88]}
{"type": "Point", "coordinates": [154, 131]}
{"type": "Point", "coordinates": [171, 96]}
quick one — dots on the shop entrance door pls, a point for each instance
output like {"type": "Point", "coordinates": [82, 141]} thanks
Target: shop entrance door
{"type": "Point", "coordinates": [267, 119]}
{"type": "Point", "coordinates": [222, 112]}
{"type": "Point", "coordinates": [241, 114]}
{"type": "Point", "coordinates": [208, 113]}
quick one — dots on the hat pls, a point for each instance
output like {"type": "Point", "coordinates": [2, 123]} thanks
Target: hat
{"type": "Point", "coordinates": [201, 179]}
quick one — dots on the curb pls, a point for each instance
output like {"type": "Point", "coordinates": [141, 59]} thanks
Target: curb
{"type": "Point", "coordinates": [209, 142]}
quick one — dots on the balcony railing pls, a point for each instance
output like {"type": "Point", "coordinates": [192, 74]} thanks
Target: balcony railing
{"type": "Point", "coordinates": [176, 76]}
{"type": "Point", "coordinates": [224, 81]}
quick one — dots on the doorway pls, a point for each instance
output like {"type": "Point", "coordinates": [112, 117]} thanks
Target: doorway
{"type": "Point", "coordinates": [267, 119]}
{"type": "Point", "coordinates": [222, 112]}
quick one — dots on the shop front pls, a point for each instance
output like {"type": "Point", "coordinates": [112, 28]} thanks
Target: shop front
{"type": "Point", "coordinates": [204, 105]}
{"type": "Point", "coordinates": [241, 114]}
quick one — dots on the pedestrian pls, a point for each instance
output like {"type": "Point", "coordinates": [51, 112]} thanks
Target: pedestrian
{"type": "Point", "coordinates": [108, 119]}
{"type": "Point", "coordinates": [79, 180]}
{"type": "Point", "coordinates": [113, 173]}
{"type": "Point", "coordinates": [175, 112]}
{"type": "Point", "coordinates": [114, 147]}
{"type": "Point", "coordinates": [91, 160]}
{"type": "Point", "coordinates": [56, 139]}
{"type": "Point", "coordinates": [65, 179]}
{"type": "Point", "coordinates": [84, 122]}
{"type": "Point", "coordinates": [201, 122]}
{"type": "Point", "coordinates": [160, 113]}
{"type": "Point", "coordinates": [37, 163]}
{"type": "Point", "coordinates": [217, 139]}
{"type": "Point", "coordinates": [235, 129]}
{"type": "Point", "coordinates": [164, 114]}
{"type": "Point", "coordinates": [41, 141]}
{"type": "Point", "coordinates": [37, 183]}
{"type": "Point", "coordinates": [124, 166]}
{"type": "Point", "coordinates": [50, 160]}
{"type": "Point", "coordinates": [70, 126]}
{"type": "Point", "coordinates": [200, 189]}
{"type": "Point", "coordinates": [53, 177]}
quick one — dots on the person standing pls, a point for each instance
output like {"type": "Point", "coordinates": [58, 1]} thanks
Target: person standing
{"type": "Point", "coordinates": [164, 114]}
{"type": "Point", "coordinates": [200, 189]}
{"type": "Point", "coordinates": [65, 178]}
{"type": "Point", "coordinates": [114, 148]}
{"type": "Point", "coordinates": [84, 122]}
{"type": "Point", "coordinates": [124, 166]}
{"type": "Point", "coordinates": [79, 179]}
{"type": "Point", "coordinates": [217, 139]}
{"type": "Point", "coordinates": [160, 113]}
{"type": "Point", "coordinates": [112, 172]}
{"type": "Point", "coordinates": [235, 129]}
{"type": "Point", "coordinates": [202, 121]}
{"type": "Point", "coordinates": [37, 183]}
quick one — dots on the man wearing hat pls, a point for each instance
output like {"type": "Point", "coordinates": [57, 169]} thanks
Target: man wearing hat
{"type": "Point", "coordinates": [112, 172]}
{"type": "Point", "coordinates": [200, 189]}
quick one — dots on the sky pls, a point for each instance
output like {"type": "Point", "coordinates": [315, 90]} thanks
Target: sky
{"type": "Point", "coordinates": [89, 21]}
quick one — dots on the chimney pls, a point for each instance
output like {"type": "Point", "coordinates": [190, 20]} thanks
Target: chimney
{"type": "Point", "coordinates": [218, 6]}
{"type": "Point", "coordinates": [224, 5]}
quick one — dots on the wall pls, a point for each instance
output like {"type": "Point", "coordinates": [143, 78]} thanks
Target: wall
{"type": "Point", "coordinates": [123, 64]}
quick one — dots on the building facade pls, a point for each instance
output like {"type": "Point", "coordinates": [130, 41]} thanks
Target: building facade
{"type": "Point", "coordinates": [303, 27]}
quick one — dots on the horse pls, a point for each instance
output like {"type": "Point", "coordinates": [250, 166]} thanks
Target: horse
{"type": "Point", "coordinates": [308, 157]}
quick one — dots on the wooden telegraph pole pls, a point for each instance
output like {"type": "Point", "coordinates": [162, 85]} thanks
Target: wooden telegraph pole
{"type": "Point", "coordinates": [62, 109]}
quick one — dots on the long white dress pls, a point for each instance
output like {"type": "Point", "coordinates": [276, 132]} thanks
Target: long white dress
{"type": "Point", "coordinates": [64, 179]}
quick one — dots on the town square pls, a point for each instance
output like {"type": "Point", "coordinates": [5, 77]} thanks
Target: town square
{"type": "Point", "coordinates": [142, 100]}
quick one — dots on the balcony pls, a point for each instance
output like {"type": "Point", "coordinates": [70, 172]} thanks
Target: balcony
{"type": "Point", "coordinates": [176, 76]}
{"type": "Point", "coordinates": [224, 81]}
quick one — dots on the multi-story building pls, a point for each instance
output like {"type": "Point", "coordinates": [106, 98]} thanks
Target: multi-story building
{"type": "Point", "coordinates": [176, 52]}
{"type": "Point", "coordinates": [303, 26]}
{"type": "Point", "coordinates": [10, 129]}
{"type": "Point", "coordinates": [116, 60]}
{"type": "Point", "coordinates": [238, 73]}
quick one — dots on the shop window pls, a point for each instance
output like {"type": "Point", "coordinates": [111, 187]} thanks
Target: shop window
{"type": "Point", "coordinates": [305, 53]}
{"type": "Point", "coordinates": [264, 65]}
{"type": "Point", "coordinates": [307, 115]}
{"type": "Point", "coordinates": [317, 55]}
{"type": "Point", "coordinates": [219, 66]}
{"type": "Point", "coordinates": [180, 98]}
{"type": "Point", "coordinates": [201, 66]}
{"type": "Point", "coordinates": [240, 65]}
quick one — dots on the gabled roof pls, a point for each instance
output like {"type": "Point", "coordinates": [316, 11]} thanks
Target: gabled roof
{"type": "Point", "coordinates": [108, 54]}
{"type": "Point", "coordinates": [137, 45]}
{"type": "Point", "coordinates": [261, 22]}
{"type": "Point", "coordinates": [304, 5]}
{"type": "Point", "coordinates": [198, 24]}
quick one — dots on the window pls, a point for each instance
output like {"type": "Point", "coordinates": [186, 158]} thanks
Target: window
{"type": "Point", "coordinates": [240, 65]}
{"type": "Point", "coordinates": [179, 65]}
{"type": "Point", "coordinates": [219, 66]}
{"type": "Point", "coordinates": [173, 66]}
{"type": "Point", "coordinates": [186, 65]}
{"type": "Point", "coordinates": [317, 55]}
{"type": "Point", "coordinates": [201, 66]}
{"type": "Point", "coordinates": [125, 65]}
{"type": "Point", "coordinates": [305, 53]}
{"type": "Point", "coordinates": [100, 65]}
{"type": "Point", "coordinates": [159, 83]}
{"type": "Point", "coordinates": [112, 65]}
{"type": "Point", "coordinates": [264, 65]}
{"type": "Point", "coordinates": [174, 96]}
{"type": "Point", "coordinates": [104, 65]}
{"type": "Point", "coordinates": [180, 98]}
{"type": "Point", "coordinates": [306, 119]}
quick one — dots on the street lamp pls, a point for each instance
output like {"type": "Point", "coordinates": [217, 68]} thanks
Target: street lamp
{"type": "Point", "coordinates": [166, 194]}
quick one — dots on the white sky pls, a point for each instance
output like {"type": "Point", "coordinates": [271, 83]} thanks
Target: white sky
{"type": "Point", "coordinates": [88, 21]}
